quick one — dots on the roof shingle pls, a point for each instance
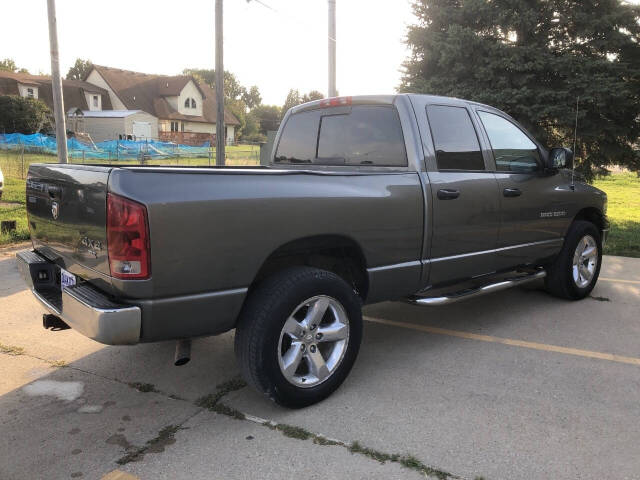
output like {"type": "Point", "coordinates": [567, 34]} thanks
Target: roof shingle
{"type": "Point", "coordinates": [72, 90]}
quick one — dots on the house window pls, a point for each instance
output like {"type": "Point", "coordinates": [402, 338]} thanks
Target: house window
{"type": "Point", "coordinates": [182, 126]}
{"type": "Point", "coordinates": [30, 92]}
{"type": "Point", "coordinates": [186, 103]}
{"type": "Point", "coordinates": [174, 126]}
{"type": "Point", "coordinates": [95, 101]}
{"type": "Point", "coordinates": [193, 103]}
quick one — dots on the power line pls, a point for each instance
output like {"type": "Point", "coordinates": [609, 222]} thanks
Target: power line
{"type": "Point", "coordinates": [264, 5]}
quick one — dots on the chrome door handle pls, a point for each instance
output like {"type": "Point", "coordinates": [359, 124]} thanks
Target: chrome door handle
{"type": "Point", "coordinates": [512, 192]}
{"type": "Point", "coordinates": [448, 194]}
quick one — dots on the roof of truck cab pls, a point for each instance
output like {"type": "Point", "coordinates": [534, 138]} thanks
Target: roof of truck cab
{"type": "Point", "coordinates": [380, 100]}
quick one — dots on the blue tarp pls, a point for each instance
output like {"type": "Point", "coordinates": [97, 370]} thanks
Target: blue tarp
{"type": "Point", "coordinates": [110, 149]}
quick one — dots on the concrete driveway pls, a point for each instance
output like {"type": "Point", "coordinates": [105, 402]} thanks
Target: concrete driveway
{"type": "Point", "coordinates": [516, 385]}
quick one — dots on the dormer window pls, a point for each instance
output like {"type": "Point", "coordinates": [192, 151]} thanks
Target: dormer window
{"type": "Point", "coordinates": [95, 101]}
{"type": "Point", "coordinates": [193, 103]}
{"type": "Point", "coordinates": [30, 92]}
{"type": "Point", "coordinates": [187, 103]}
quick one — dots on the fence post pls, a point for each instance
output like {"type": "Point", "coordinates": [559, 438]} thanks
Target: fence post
{"type": "Point", "coordinates": [82, 156]}
{"type": "Point", "coordinates": [118, 149]}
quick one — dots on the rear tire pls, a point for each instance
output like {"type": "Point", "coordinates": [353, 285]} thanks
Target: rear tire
{"type": "Point", "coordinates": [575, 270]}
{"type": "Point", "coordinates": [298, 335]}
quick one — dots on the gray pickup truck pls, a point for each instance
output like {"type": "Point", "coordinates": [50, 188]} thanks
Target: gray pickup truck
{"type": "Point", "coordinates": [404, 197]}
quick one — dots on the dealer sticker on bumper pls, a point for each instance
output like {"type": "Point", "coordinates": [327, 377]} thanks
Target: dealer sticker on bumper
{"type": "Point", "coordinates": [67, 279]}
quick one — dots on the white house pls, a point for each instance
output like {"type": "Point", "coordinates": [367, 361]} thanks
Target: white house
{"type": "Point", "coordinates": [184, 109]}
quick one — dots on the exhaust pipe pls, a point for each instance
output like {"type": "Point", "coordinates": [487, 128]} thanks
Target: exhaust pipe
{"type": "Point", "coordinates": [183, 352]}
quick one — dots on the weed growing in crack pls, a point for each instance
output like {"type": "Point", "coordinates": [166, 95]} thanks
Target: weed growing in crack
{"type": "Point", "coordinates": [407, 461]}
{"type": "Point", "coordinates": [320, 440]}
{"type": "Point", "coordinates": [144, 387]}
{"type": "Point", "coordinates": [11, 350]}
{"type": "Point", "coordinates": [381, 457]}
{"type": "Point", "coordinates": [210, 401]}
{"type": "Point", "coordinates": [294, 432]}
{"type": "Point", "coordinates": [165, 437]}
{"type": "Point", "coordinates": [223, 409]}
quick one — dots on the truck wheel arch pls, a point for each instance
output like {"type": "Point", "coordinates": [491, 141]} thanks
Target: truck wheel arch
{"type": "Point", "coordinates": [335, 253]}
{"type": "Point", "coordinates": [593, 215]}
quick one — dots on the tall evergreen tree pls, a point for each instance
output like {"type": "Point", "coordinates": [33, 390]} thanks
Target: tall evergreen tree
{"type": "Point", "coordinates": [533, 59]}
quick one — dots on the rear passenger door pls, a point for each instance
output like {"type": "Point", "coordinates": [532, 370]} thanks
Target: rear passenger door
{"type": "Point", "coordinates": [464, 197]}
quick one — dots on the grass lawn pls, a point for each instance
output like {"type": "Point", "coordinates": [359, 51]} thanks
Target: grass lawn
{"type": "Point", "coordinates": [14, 192]}
{"type": "Point", "coordinates": [623, 190]}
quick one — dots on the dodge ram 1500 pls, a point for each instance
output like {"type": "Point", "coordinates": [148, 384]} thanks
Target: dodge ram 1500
{"type": "Point", "coordinates": [367, 199]}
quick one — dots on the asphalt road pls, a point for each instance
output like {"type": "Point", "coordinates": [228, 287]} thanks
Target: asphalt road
{"type": "Point", "coordinates": [515, 385]}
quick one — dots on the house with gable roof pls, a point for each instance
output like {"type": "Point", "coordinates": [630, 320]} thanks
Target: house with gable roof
{"type": "Point", "coordinates": [185, 108]}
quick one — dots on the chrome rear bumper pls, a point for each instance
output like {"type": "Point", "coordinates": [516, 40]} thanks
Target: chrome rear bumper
{"type": "Point", "coordinates": [82, 307]}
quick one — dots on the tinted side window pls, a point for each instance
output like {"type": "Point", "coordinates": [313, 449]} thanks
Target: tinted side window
{"type": "Point", "coordinates": [512, 149]}
{"type": "Point", "coordinates": [298, 139]}
{"type": "Point", "coordinates": [369, 135]}
{"type": "Point", "coordinates": [455, 139]}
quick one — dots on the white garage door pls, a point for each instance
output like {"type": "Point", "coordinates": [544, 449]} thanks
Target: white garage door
{"type": "Point", "coordinates": [142, 130]}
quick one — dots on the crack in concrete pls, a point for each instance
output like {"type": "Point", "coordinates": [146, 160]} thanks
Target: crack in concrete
{"type": "Point", "coordinates": [212, 402]}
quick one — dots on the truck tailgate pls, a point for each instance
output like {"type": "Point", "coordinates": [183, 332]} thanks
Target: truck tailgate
{"type": "Point", "coordinates": [67, 209]}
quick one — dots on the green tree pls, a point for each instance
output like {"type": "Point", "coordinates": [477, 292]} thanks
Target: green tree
{"type": "Point", "coordinates": [252, 97]}
{"type": "Point", "coordinates": [23, 115]}
{"type": "Point", "coordinates": [293, 99]}
{"type": "Point", "coordinates": [80, 69]}
{"type": "Point", "coordinates": [268, 116]}
{"type": "Point", "coordinates": [251, 131]}
{"type": "Point", "coordinates": [233, 90]}
{"type": "Point", "coordinates": [9, 65]}
{"type": "Point", "coordinates": [239, 109]}
{"type": "Point", "coordinates": [533, 59]}
{"type": "Point", "coordinates": [311, 96]}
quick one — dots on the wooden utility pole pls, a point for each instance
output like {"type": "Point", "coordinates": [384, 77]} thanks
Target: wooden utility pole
{"type": "Point", "coordinates": [220, 136]}
{"type": "Point", "coordinates": [332, 49]}
{"type": "Point", "coordinates": [56, 85]}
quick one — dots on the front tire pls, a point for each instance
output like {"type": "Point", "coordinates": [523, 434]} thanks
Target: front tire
{"type": "Point", "coordinates": [575, 271]}
{"type": "Point", "coordinates": [298, 335]}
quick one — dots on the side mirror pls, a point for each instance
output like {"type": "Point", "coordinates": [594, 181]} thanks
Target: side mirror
{"type": "Point", "coordinates": [560, 158]}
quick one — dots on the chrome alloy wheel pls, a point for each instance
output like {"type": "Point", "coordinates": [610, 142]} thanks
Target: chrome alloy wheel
{"type": "Point", "coordinates": [313, 341]}
{"type": "Point", "coordinates": [585, 261]}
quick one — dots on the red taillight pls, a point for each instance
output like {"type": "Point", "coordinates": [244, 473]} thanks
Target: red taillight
{"type": "Point", "coordinates": [127, 238]}
{"type": "Point", "coordinates": [336, 102]}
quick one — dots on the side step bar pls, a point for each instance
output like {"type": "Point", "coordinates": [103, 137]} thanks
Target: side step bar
{"type": "Point", "coordinates": [476, 292]}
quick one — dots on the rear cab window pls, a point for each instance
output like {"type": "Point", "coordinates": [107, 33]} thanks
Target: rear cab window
{"type": "Point", "coordinates": [361, 135]}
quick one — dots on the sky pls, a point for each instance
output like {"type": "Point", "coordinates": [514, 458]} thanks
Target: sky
{"type": "Point", "coordinates": [276, 48]}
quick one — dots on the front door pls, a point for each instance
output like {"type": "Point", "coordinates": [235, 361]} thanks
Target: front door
{"type": "Point", "coordinates": [533, 203]}
{"type": "Point", "coordinates": [465, 203]}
